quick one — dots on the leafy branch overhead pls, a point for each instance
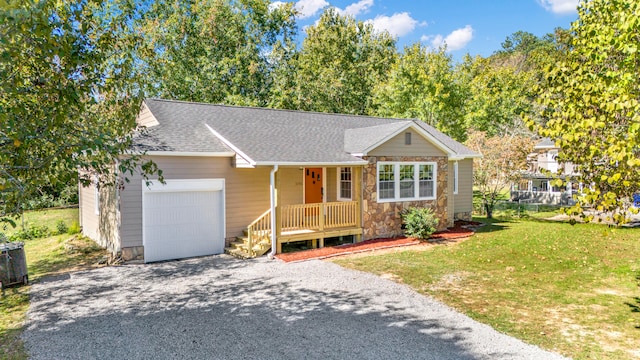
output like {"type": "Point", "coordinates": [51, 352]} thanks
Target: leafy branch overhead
{"type": "Point", "coordinates": [68, 98]}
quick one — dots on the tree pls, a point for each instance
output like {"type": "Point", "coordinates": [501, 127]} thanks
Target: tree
{"type": "Point", "coordinates": [499, 93]}
{"type": "Point", "coordinates": [340, 62]}
{"type": "Point", "coordinates": [591, 105]}
{"type": "Point", "coordinates": [503, 158]}
{"type": "Point", "coordinates": [423, 85]}
{"type": "Point", "coordinates": [68, 95]}
{"type": "Point", "coordinates": [215, 51]}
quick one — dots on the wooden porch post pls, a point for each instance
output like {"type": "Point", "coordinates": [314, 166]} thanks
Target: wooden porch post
{"type": "Point", "coordinates": [357, 189]}
{"type": "Point", "coordinates": [278, 213]}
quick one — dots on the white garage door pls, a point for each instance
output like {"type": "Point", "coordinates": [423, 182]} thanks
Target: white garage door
{"type": "Point", "coordinates": [183, 218]}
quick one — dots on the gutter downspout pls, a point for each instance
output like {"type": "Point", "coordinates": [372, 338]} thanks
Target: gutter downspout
{"type": "Point", "coordinates": [272, 180]}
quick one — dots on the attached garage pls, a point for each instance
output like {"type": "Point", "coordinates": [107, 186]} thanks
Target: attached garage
{"type": "Point", "coordinates": [183, 218]}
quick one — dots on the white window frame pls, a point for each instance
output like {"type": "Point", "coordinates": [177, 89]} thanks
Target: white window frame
{"type": "Point", "coordinates": [455, 178]}
{"type": "Point", "coordinates": [339, 184]}
{"type": "Point", "coordinates": [416, 179]}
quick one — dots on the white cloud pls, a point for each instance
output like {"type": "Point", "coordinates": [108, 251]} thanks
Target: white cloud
{"type": "Point", "coordinates": [308, 8]}
{"type": "Point", "coordinates": [356, 8]}
{"type": "Point", "coordinates": [560, 6]}
{"type": "Point", "coordinates": [456, 40]}
{"type": "Point", "coordinates": [398, 24]}
{"type": "Point", "coordinates": [275, 5]}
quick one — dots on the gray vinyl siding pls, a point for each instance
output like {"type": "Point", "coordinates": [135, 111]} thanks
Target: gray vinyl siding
{"type": "Point", "coordinates": [396, 146]}
{"type": "Point", "coordinates": [103, 226]}
{"type": "Point", "coordinates": [464, 199]}
{"type": "Point", "coordinates": [451, 199]}
{"type": "Point", "coordinates": [246, 193]}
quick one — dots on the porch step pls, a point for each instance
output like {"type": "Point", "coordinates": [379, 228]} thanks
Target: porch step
{"type": "Point", "coordinates": [240, 248]}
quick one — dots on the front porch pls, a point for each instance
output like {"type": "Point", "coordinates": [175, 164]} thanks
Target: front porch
{"type": "Point", "coordinates": [319, 218]}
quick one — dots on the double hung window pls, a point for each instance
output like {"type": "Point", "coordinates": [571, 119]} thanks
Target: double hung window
{"type": "Point", "coordinates": [403, 181]}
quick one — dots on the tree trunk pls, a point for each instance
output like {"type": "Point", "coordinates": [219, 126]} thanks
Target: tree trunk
{"type": "Point", "coordinates": [489, 209]}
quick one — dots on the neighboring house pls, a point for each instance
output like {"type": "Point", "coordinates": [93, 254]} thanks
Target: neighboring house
{"type": "Point", "coordinates": [535, 185]}
{"type": "Point", "coordinates": [252, 179]}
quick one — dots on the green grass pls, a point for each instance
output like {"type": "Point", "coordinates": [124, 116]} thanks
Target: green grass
{"type": "Point", "coordinates": [569, 289]}
{"type": "Point", "coordinates": [45, 256]}
{"type": "Point", "coordinates": [48, 218]}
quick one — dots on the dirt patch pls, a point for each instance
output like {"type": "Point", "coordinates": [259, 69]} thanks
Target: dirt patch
{"type": "Point", "coordinates": [450, 282]}
{"type": "Point", "coordinates": [461, 230]}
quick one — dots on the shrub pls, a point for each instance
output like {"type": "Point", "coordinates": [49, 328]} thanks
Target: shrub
{"type": "Point", "coordinates": [419, 222]}
{"type": "Point", "coordinates": [74, 228]}
{"type": "Point", "coordinates": [30, 232]}
{"type": "Point", "coordinates": [62, 227]}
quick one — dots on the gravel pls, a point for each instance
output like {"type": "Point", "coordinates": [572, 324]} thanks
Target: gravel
{"type": "Point", "coordinates": [218, 307]}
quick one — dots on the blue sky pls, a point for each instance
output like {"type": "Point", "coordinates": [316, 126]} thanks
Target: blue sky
{"type": "Point", "coordinates": [477, 27]}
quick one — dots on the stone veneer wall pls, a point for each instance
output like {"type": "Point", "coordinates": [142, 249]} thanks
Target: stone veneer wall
{"type": "Point", "coordinates": [383, 219]}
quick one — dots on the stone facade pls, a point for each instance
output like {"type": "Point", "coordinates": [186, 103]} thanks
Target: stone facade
{"type": "Point", "coordinates": [382, 220]}
{"type": "Point", "coordinates": [465, 216]}
{"type": "Point", "coordinates": [133, 253]}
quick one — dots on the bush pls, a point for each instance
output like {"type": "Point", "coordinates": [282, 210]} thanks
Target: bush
{"type": "Point", "coordinates": [74, 228]}
{"type": "Point", "coordinates": [419, 222]}
{"type": "Point", "coordinates": [30, 232]}
{"type": "Point", "coordinates": [62, 227]}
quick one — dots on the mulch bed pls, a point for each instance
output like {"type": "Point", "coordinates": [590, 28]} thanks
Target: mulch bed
{"type": "Point", "coordinates": [461, 229]}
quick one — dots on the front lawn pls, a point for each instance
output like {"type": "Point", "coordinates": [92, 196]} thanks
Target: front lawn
{"type": "Point", "coordinates": [570, 289]}
{"type": "Point", "coordinates": [45, 256]}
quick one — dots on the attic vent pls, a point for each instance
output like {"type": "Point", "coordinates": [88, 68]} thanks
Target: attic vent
{"type": "Point", "coordinates": [407, 138]}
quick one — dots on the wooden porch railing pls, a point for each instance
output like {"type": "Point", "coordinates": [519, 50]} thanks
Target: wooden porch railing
{"type": "Point", "coordinates": [259, 230]}
{"type": "Point", "coordinates": [319, 216]}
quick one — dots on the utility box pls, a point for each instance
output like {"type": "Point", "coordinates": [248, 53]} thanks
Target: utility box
{"type": "Point", "coordinates": [13, 264]}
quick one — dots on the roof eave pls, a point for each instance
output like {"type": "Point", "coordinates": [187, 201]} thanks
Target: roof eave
{"type": "Point", "coordinates": [312, 163]}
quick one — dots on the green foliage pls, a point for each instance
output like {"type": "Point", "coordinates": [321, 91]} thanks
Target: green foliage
{"type": "Point", "coordinates": [47, 197]}
{"type": "Point", "coordinates": [423, 85]}
{"type": "Point", "coordinates": [30, 233]}
{"type": "Point", "coordinates": [215, 51]}
{"type": "Point", "coordinates": [62, 227]}
{"type": "Point", "coordinates": [340, 62]}
{"type": "Point", "coordinates": [419, 222]}
{"type": "Point", "coordinates": [69, 94]}
{"type": "Point", "coordinates": [74, 228]}
{"type": "Point", "coordinates": [591, 105]}
{"type": "Point", "coordinates": [499, 93]}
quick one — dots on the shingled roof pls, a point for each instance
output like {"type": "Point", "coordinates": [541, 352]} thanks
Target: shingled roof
{"type": "Point", "coordinates": [268, 136]}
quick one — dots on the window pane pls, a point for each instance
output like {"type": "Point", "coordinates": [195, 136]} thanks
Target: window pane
{"type": "Point", "coordinates": [426, 188]}
{"type": "Point", "coordinates": [427, 181]}
{"type": "Point", "coordinates": [426, 172]}
{"type": "Point", "coordinates": [386, 179]}
{"type": "Point", "coordinates": [345, 183]}
{"type": "Point", "coordinates": [407, 182]}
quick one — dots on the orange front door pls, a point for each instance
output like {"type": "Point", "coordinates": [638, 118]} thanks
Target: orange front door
{"type": "Point", "coordinates": [312, 185]}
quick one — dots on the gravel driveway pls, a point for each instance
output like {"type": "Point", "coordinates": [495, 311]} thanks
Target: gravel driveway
{"type": "Point", "coordinates": [221, 308]}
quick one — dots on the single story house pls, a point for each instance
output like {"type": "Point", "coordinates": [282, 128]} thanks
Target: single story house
{"type": "Point", "coordinates": [536, 186]}
{"type": "Point", "coordinates": [252, 179]}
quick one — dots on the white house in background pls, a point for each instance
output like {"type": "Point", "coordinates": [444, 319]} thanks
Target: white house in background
{"type": "Point", "coordinates": [536, 183]}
